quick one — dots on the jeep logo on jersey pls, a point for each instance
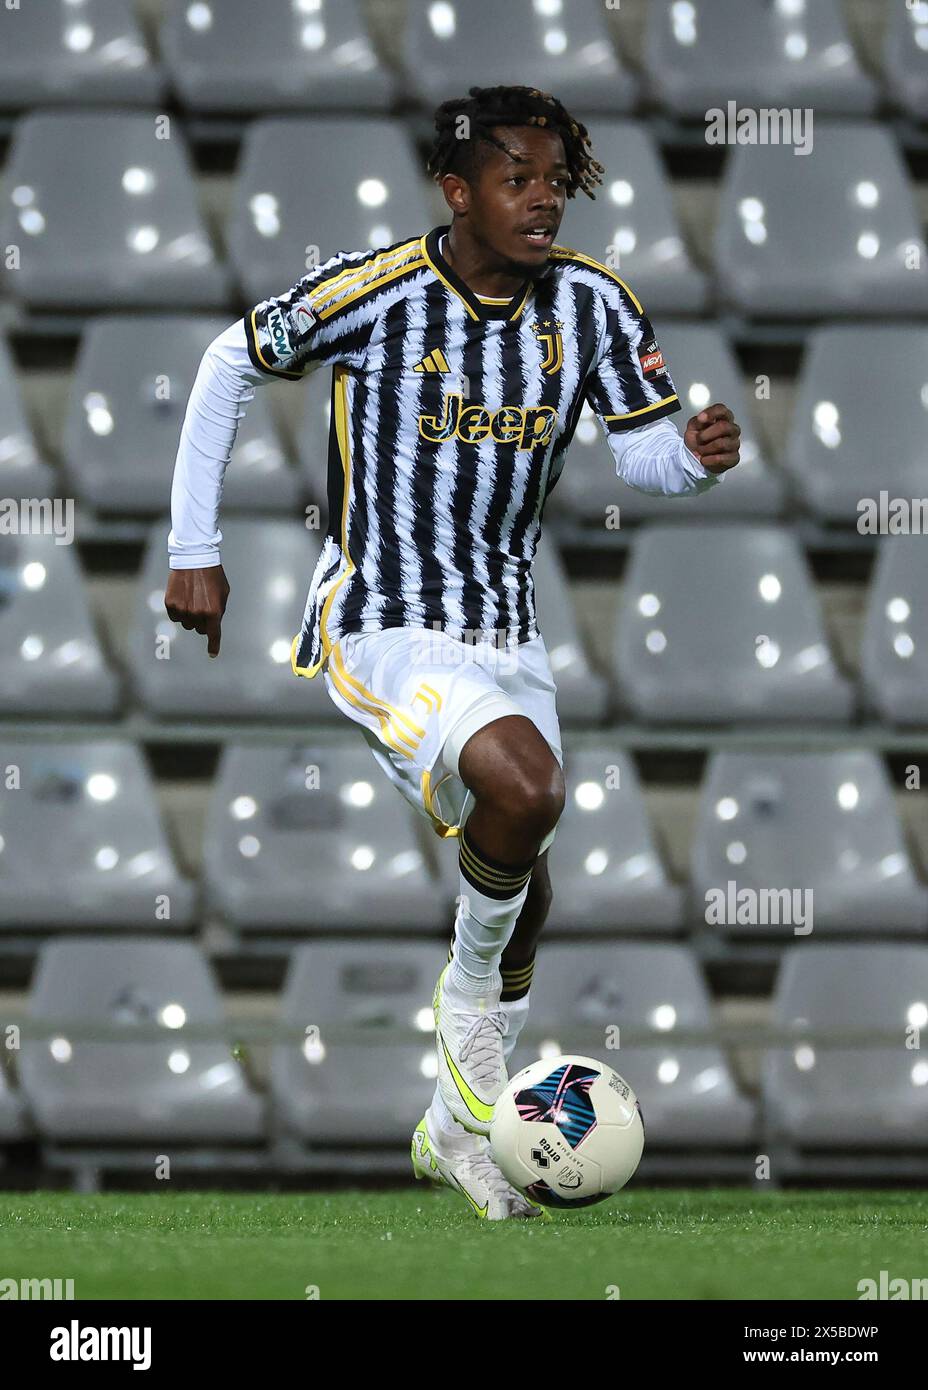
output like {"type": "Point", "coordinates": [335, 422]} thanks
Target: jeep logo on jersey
{"type": "Point", "coordinates": [524, 426]}
{"type": "Point", "coordinates": [279, 336]}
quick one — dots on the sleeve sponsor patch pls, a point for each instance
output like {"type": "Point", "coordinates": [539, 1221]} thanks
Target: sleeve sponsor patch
{"type": "Point", "coordinates": [280, 338]}
{"type": "Point", "coordinates": [652, 360]}
{"type": "Point", "coordinates": [283, 330]}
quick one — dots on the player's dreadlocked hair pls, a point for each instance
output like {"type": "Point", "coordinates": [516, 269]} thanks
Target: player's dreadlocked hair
{"type": "Point", "coordinates": [457, 142]}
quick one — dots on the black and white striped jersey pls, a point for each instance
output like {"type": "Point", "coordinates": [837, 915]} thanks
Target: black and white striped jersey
{"type": "Point", "coordinates": [451, 418]}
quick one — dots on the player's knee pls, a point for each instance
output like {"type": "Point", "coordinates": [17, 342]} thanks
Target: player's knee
{"type": "Point", "coordinates": [534, 797]}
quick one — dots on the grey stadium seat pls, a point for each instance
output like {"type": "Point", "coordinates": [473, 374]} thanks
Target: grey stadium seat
{"type": "Point", "coordinates": [128, 397]}
{"type": "Point", "coordinates": [821, 823]}
{"type": "Point", "coordinates": [61, 52]}
{"type": "Point", "coordinates": [704, 371]}
{"type": "Point", "coordinates": [721, 624]}
{"type": "Point", "coordinates": [687, 1092]}
{"type": "Point", "coordinates": [564, 49]}
{"type": "Point", "coordinates": [850, 438]}
{"type": "Point", "coordinates": [278, 221]}
{"type": "Point", "coordinates": [894, 646]}
{"type": "Point", "coordinates": [315, 837]}
{"type": "Point", "coordinates": [144, 1091]}
{"type": "Point", "coordinates": [53, 663]}
{"type": "Point", "coordinates": [14, 1124]}
{"type": "Point", "coordinates": [631, 226]}
{"type": "Point", "coordinates": [833, 231]}
{"type": "Point", "coordinates": [582, 692]}
{"type": "Point", "coordinates": [798, 49]}
{"type": "Point", "coordinates": [82, 843]}
{"type": "Point", "coordinates": [905, 58]}
{"type": "Point", "coordinates": [104, 196]}
{"type": "Point", "coordinates": [269, 565]}
{"type": "Point", "coordinates": [870, 1096]}
{"type": "Point", "coordinates": [605, 863]}
{"type": "Point", "coordinates": [22, 472]}
{"type": "Point", "coordinates": [373, 1090]}
{"type": "Point", "coordinates": [238, 56]}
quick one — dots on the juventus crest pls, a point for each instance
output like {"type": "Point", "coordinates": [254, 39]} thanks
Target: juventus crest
{"type": "Point", "coordinates": [548, 333]}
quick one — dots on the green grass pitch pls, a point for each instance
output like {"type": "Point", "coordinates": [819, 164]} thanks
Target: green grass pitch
{"type": "Point", "coordinates": [423, 1243]}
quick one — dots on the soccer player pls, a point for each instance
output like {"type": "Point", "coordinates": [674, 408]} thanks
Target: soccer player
{"type": "Point", "coordinates": [461, 361]}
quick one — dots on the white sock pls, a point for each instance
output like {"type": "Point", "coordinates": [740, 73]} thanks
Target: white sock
{"type": "Point", "coordinates": [491, 897]}
{"type": "Point", "coordinates": [515, 1012]}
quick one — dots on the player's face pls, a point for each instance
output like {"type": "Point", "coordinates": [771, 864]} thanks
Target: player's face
{"type": "Point", "coordinates": [519, 198]}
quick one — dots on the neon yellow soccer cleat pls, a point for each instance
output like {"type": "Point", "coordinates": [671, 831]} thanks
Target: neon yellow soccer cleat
{"type": "Point", "coordinates": [463, 1163]}
{"type": "Point", "coordinates": [471, 1064]}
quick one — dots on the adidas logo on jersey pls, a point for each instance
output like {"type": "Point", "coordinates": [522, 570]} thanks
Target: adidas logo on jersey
{"type": "Point", "coordinates": [434, 362]}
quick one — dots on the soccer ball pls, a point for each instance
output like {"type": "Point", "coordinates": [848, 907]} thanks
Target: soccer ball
{"type": "Point", "coordinates": [567, 1131]}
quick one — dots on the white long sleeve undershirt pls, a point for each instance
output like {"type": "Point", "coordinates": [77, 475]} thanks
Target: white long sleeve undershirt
{"type": "Point", "coordinates": [224, 385]}
{"type": "Point", "coordinates": [651, 458]}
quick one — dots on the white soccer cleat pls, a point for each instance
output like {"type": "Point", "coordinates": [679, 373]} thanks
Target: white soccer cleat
{"type": "Point", "coordinates": [463, 1162]}
{"type": "Point", "coordinates": [471, 1064]}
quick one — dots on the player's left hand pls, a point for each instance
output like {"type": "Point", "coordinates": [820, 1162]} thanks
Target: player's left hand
{"type": "Point", "coordinates": [714, 438]}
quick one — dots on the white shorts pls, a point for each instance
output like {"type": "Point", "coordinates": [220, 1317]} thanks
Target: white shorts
{"type": "Point", "coordinates": [419, 695]}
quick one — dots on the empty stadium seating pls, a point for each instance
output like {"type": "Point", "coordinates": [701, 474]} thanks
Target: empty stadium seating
{"type": "Point", "coordinates": [82, 840]}
{"type": "Point", "coordinates": [802, 52]}
{"type": "Point", "coordinates": [60, 53]}
{"type": "Point", "coordinates": [894, 648]}
{"type": "Point", "coordinates": [281, 226]}
{"type": "Point", "coordinates": [833, 230]}
{"type": "Point", "coordinates": [850, 442]}
{"type": "Point", "coordinates": [720, 624]}
{"type": "Point", "coordinates": [815, 1096]}
{"type": "Point", "coordinates": [53, 663]}
{"type": "Point", "coordinates": [133, 1090]}
{"type": "Point", "coordinates": [360, 1090]}
{"type": "Point", "coordinates": [561, 48]}
{"type": "Point", "coordinates": [822, 826]}
{"type": "Point", "coordinates": [605, 860]}
{"type": "Point", "coordinates": [312, 838]}
{"type": "Point", "coordinates": [742, 676]}
{"type": "Point", "coordinates": [139, 241]}
{"type": "Point", "coordinates": [237, 56]}
{"type": "Point", "coordinates": [22, 470]}
{"type": "Point", "coordinates": [904, 62]}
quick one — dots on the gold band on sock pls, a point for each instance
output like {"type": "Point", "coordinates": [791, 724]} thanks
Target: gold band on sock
{"type": "Point", "coordinates": [490, 876]}
{"type": "Point", "coordinates": [517, 981]}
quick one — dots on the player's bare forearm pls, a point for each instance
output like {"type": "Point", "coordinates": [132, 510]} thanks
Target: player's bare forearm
{"type": "Point", "coordinates": [197, 598]}
{"type": "Point", "coordinates": [715, 438]}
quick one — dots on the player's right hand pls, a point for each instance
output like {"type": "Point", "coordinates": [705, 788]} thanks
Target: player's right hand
{"type": "Point", "coordinates": [197, 600]}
